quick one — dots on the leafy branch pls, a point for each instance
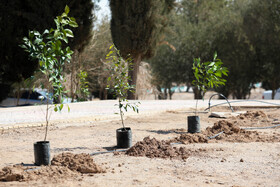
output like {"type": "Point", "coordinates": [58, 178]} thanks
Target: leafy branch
{"type": "Point", "coordinates": [48, 48]}
{"type": "Point", "coordinates": [208, 74]}
{"type": "Point", "coordinates": [118, 79]}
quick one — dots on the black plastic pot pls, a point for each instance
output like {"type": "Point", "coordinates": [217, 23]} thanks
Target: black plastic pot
{"type": "Point", "coordinates": [124, 138]}
{"type": "Point", "coordinates": [42, 153]}
{"type": "Point", "coordinates": [193, 124]}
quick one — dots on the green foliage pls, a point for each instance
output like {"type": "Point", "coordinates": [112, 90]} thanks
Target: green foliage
{"type": "Point", "coordinates": [93, 59]}
{"type": "Point", "coordinates": [137, 28]}
{"type": "Point", "coordinates": [195, 25]}
{"type": "Point", "coordinates": [118, 79]}
{"type": "Point", "coordinates": [208, 74]}
{"type": "Point", "coordinates": [261, 23]}
{"type": "Point", "coordinates": [48, 48]}
{"type": "Point", "coordinates": [83, 92]}
{"type": "Point", "coordinates": [17, 17]}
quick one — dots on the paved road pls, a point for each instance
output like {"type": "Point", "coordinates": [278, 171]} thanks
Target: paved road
{"type": "Point", "coordinates": [102, 110]}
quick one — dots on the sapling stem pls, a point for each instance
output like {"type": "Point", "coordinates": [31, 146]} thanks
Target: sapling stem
{"type": "Point", "coordinates": [121, 113]}
{"type": "Point", "coordinates": [47, 120]}
{"type": "Point", "coordinates": [196, 107]}
{"type": "Point", "coordinates": [51, 59]}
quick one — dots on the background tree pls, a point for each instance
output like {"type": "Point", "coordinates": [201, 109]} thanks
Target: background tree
{"type": "Point", "coordinates": [94, 59]}
{"type": "Point", "coordinates": [262, 25]}
{"type": "Point", "coordinates": [137, 28]}
{"type": "Point", "coordinates": [200, 28]}
{"type": "Point", "coordinates": [190, 38]}
{"type": "Point", "coordinates": [17, 17]}
{"type": "Point", "coordinates": [235, 50]}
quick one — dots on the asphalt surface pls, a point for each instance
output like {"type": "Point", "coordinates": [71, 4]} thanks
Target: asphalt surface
{"type": "Point", "coordinates": [15, 117]}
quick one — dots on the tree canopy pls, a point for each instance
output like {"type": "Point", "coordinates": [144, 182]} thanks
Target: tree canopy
{"type": "Point", "coordinates": [137, 28]}
{"type": "Point", "coordinates": [245, 34]}
{"type": "Point", "coordinates": [17, 17]}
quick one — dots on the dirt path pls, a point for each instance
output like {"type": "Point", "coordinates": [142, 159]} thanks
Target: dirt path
{"type": "Point", "coordinates": [236, 158]}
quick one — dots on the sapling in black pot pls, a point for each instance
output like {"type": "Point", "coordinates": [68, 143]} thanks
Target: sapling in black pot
{"type": "Point", "coordinates": [207, 75]}
{"type": "Point", "coordinates": [52, 52]}
{"type": "Point", "coordinates": [118, 80]}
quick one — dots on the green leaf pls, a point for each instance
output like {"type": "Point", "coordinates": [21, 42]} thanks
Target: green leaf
{"type": "Point", "coordinates": [66, 10]}
{"type": "Point", "coordinates": [212, 64]}
{"type": "Point", "coordinates": [219, 74]}
{"type": "Point", "coordinates": [69, 33]}
{"type": "Point", "coordinates": [73, 24]}
{"type": "Point", "coordinates": [215, 56]}
{"type": "Point", "coordinates": [56, 33]}
{"type": "Point", "coordinates": [61, 107]}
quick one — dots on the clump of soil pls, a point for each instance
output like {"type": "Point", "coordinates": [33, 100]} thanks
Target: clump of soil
{"type": "Point", "coordinates": [232, 133]}
{"type": "Point", "coordinates": [252, 115]}
{"type": "Point", "coordinates": [153, 148]}
{"type": "Point", "coordinates": [23, 173]}
{"type": "Point", "coordinates": [63, 166]}
{"type": "Point", "coordinates": [253, 119]}
{"type": "Point", "coordinates": [191, 138]}
{"type": "Point", "coordinates": [226, 126]}
{"type": "Point", "coordinates": [12, 173]}
{"type": "Point", "coordinates": [82, 163]}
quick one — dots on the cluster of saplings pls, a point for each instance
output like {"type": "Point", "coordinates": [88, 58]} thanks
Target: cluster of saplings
{"type": "Point", "coordinates": [50, 49]}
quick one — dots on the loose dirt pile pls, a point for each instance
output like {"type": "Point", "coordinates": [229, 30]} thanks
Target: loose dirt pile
{"type": "Point", "coordinates": [191, 138]}
{"type": "Point", "coordinates": [254, 119]}
{"type": "Point", "coordinates": [82, 163]}
{"type": "Point", "coordinates": [229, 132]}
{"type": "Point", "coordinates": [62, 166]}
{"type": "Point", "coordinates": [23, 173]}
{"type": "Point", "coordinates": [153, 148]}
{"type": "Point", "coordinates": [233, 133]}
{"type": "Point", "coordinates": [253, 115]}
{"type": "Point", "coordinates": [227, 127]}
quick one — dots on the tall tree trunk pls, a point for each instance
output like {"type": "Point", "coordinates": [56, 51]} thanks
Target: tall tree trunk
{"type": "Point", "coordinates": [133, 77]}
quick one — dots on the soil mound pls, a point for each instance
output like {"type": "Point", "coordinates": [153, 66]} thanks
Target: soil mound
{"type": "Point", "coordinates": [82, 163]}
{"type": "Point", "coordinates": [23, 173]}
{"type": "Point", "coordinates": [252, 115]}
{"type": "Point", "coordinates": [12, 173]}
{"type": "Point", "coordinates": [152, 148]}
{"type": "Point", "coordinates": [226, 126]}
{"type": "Point", "coordinates": [63, 166]}
{"type": "Point", "coordinates": [232, 133]}
{"type": "Point", "coordinates": [191, 138]}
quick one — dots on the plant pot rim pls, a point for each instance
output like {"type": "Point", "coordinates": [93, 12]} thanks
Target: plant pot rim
{"type": "Point", "coordinates": [42, 142]}
{"type": "Point", "coordinates": [124, 129]}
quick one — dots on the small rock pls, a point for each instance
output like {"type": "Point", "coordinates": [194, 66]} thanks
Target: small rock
{"type": "Point", "coordinates": [241, 160]}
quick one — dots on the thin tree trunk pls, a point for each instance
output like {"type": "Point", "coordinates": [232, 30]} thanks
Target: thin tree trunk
{"type": "Point", "coordinates": [133, 77]}
{"type": "Point", "coordinates": [273, 90]}
{"type": "Point", "coordinates": [170, 93]}
{"type": "Point", "coordinates": [197, 93]}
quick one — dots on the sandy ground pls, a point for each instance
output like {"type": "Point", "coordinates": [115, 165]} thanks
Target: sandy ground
{"type": "Point", "coordinates": [251, 159]}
